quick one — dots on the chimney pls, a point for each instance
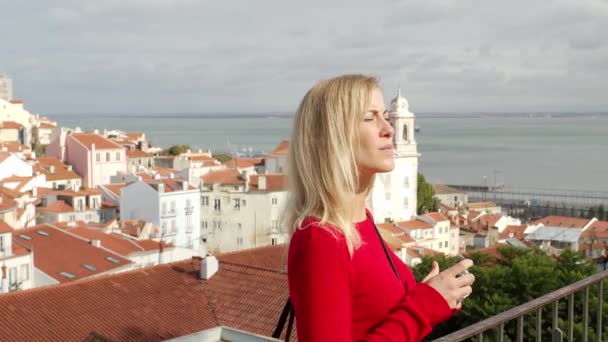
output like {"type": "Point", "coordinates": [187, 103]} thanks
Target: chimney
{"type": "Point", "coordinates": [185, 185]}
{"type": "Point", "coordinates": [96, 131]}
{"type": "Point", "coordinates": [52, 169]}
{"type": "Point", "coordinates": [69, 167]}
{"type": "Point", "coordinates": [261, 182]}
{"type": "Point", "coordinates": [96, 243]}
{"type": "Point", "coordinates": [35, 192]}
{"type": "Point", "coordinates": [161, 187]}
{"type": "Point", "coordinates": [209, 266]}
{"type": "Point", "coordinates": [4, 280]}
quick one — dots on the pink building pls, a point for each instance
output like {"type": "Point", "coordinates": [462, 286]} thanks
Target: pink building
{"type": "Point", "coordinates": [92, 156]}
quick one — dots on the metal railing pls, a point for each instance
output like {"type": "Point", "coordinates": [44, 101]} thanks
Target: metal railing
{"type": "Point", "coordinates": [536, 306]}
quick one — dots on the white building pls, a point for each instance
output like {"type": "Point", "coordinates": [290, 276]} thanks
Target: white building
{"type": "Point", "coordinates": [17, 262]}
{"type": "Point", "coordinates": [6, 88]}
{"type": "Point", "coordinates": [393, 197]}
{"type": "Point", "coordinates": [11, 165]}
{"type": "Point", "coordinates": [173, 205]}
{"type": "Point", "coordinates": [69, 205]}
{"type": "Point", "coordinates": [240, 212]}
{"type": "Point", "coordinates": [13, 111]}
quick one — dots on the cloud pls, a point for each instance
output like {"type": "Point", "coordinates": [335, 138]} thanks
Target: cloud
{"type": "Point", "coordinates": [195, 56]}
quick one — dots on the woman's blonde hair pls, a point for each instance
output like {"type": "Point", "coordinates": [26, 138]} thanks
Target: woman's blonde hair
{"type": "Point", "coordinates": [322, 173]}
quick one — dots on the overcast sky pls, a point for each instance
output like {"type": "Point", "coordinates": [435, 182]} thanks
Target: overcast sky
{"type": "Point", "coordinates": [163, 56]}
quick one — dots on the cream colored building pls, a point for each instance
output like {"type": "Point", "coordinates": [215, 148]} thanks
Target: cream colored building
{"type": "Point", "coordinates": [240, 212]}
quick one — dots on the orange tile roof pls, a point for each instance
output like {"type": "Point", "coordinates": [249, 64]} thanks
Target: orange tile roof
{"type": "Point", "coordinates": [6, 202]}
{"type": "Point", "coordinates": [135, 135]}
{"type": "Point", "coordinates": [516, 230]}
{"type": "Point", "coordinates": [44, 165]}
{"type": "Point", "coordinates": [390, 227]}
{"type": "Point", "coordinates": [10, 125]}
{"type": "Point", "coordinates": [101, 143]}
{"type": "Point", "coordinates": [406, 238]}
{"type": "Point", "coordinates": [117, 243]}
{"type": "Point", "coordinates": [282, 149]}
{"type": "Point", "coordinates": [72, 193]}
{"type": "Point", "coordinates": [16, 101]}
{"type": "Point", "coordinates": [414, 224]}
{"type": "Point", "coordinates": [171, 184]}
{"type": "Point", "coordinates": [436, 216]}
{"type": "Point", "coordinates": [144, 176]}
{"type": "Point", "coordinates": [225, 176]}
{"type": "Point", "coordinates": [200, 157]}
{"type": "Point", "coordinates": [599, 229]}
{"type": "Point", "coordinates": [115, 188]}
{"type": "Point", "coordinates": [56, 207]}
{"type": "Point", "coordinates": [151, 304]}
{"type": "Point", "coordinates": [243, 162]}
{"type": "Point", "coordinates": [5, 227]}
{"type": "Point", "coordinates": [4, 156]}
{"type": "Point", "coordinates": [14, 146]}
{"type": "Point", "coordinates": [47, 125]}
{"type": "Point", "coordinates": [62, 252]}
{"type": "Point", "coordinates": [163, 171]}
{"type": "Point", "coordinates": [481, 205]}
{"type": "Point", "coordinates": [562, 221]}
{"type": "Point", "coordinates": [132, 154]}
{"type": "Point", "coordinates": [419, 251]}
{"type": "Point", "coordinates": [490, 219]}
{"type": "Point", "coordinates": [274, 182]}
{"type": "Point", "coordinates": [269, 257]}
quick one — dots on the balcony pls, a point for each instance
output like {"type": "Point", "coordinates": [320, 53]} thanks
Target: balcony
{"type": "Point", "coordinates": [189, 210]}
{"type": "Point", "coordinates": [170, 213]}
{"type": "Point", "coordinates": [500, 327]}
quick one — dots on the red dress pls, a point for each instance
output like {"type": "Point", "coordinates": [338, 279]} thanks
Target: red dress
{"type": "Point", "coordinates": [339, 298]}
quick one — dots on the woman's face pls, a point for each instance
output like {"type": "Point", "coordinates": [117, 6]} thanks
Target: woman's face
{"type": "Point", "coordinates": [374, 153]}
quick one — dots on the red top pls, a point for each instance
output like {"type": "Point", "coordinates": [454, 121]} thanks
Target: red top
{"type": "Point", "coordinates": [339, 298]}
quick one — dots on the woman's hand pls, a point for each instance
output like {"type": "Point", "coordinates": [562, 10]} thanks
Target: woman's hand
{"type": "Point", "coordinates": [454, 284]}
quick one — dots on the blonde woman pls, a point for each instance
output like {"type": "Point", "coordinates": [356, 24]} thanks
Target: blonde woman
{"type": "Point", "coordinates": [344, 284]}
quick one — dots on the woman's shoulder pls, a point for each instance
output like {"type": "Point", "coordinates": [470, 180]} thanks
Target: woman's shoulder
{"type": "Point", "coordinates": [312, 232]}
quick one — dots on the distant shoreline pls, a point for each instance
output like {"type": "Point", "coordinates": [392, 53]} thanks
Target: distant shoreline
{"type": "Point", "coordinates": [283, 115]}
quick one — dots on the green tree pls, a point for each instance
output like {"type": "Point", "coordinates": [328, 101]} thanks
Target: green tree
{"type": "Point", "coordinates": [222, 158]}
{"type": "Point", "coordinates": [175, 150]}
{"type": "Point", "coordinates": [516, 276]}
{"type": "Point", "coordinates": [426, 196]}
{"type": "Point", "coordinates": [39, 149]}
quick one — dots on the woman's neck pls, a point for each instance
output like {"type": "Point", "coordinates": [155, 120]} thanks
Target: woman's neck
{"type": "Point", "coordinates": [359, 213]}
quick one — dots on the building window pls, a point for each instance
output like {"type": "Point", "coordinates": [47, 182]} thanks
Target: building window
{"type": "Point", "coordinates": [239, 241]}
{"type": "Point", "coordinates": [163, 229]}
{"type": "Point", "coordinates": [12, 275]}
{"type": "Point", "coordinates": [118, 156]}
{"type": "Point", "coordinates": [404, 132]}
{"type": "Point", "coordinates": [172, 207]}
{"type": "Point", "coordinates": [217, 204]}
{"type": "Point", "coordinates": [274, 241]}
{"type": "Point", "coordinates": [406, 203]}
{"type": "Point", "coordinates": [173, 227]}
{"type": "Point", "coordinates": [98, 157]}
{"type": "Point", "coordinates": [2, 243]}
{"type": "Point", "coordinates": [204, 225]}
{"type": "Point", "coordinates": [164, 210]}
{"type": "Point", "coordinates": [275, 201]}
{"type": "Point", "coordinates": [24, 272]}
{"type": "Point", "coordinates": [244, 203]}
{"type": "Point", "coordinates": [237, 204]}
{"type": "Point", "coordinates": [406, 182]}
{"type": "Point", "coordinates": [275, 225]}
{"type": "Point", "coordinates": [236, 187]}
{"type": "Point", "coordinates": [189, 225]}
{"type": "Point", "coordinates": [205, 201]}
{"type": "Point", "coordinates": [387, 195]}
{"type": "Point", "coordinates": [107, 156]}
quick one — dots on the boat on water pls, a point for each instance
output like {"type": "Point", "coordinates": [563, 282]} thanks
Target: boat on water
{"type": "Point", "coordinates": [417, 129]}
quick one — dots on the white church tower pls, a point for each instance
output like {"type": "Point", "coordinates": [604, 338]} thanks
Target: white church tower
{"type": "Point", "coordinates": [393, 197]}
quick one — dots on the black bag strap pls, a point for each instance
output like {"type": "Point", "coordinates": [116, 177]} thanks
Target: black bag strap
{"type": "Point", "coordinates": [388, 256]}
{"type": "Point", "coordinates": [288, 308]}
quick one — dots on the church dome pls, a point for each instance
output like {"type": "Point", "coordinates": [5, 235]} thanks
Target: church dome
{"type": "Point", "coordinates": [399, 104]}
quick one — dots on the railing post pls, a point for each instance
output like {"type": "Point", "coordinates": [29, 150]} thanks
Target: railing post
{"type": "Point", "coordinates": [571, 317]}
{"type": "Point", "coordinates": [539, 324]}
{"type": "Point", "coordinates": [558, 335]}
{"type": "Point", "coordinates": [600, 295]}
{"type": "Point", "coordinates": [586, 314]}
{"type": "Point", "coordinates": [520, 328]}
